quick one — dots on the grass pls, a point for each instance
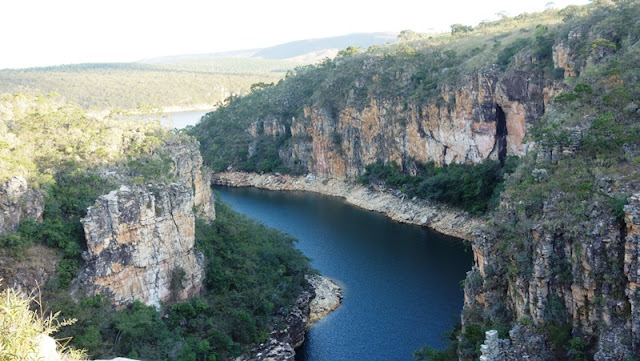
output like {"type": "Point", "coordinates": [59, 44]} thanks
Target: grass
{"type": "Point", "coordinates": [22, 329]}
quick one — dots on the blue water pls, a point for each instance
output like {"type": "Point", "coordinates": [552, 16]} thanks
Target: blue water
{"type": "Point", "coordinates": [401, 283]}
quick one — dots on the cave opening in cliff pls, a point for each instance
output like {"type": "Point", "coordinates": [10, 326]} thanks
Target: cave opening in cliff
{"type": "Point", "coordinates": [501, 134]}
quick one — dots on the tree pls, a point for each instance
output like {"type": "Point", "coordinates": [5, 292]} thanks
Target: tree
{"type": "Point", "coordinates": [459, 28]}
{"type": "Point", "coordinates": [350, 51]}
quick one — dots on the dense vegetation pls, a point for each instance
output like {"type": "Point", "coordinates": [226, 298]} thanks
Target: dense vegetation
{"type": "Point", "coordinates": [62, 151]}
{"type": "Point", "coordinates": [39, 135]}
{"type": "Point", "coordinates": [253, 275]}
{"type": "Point", "coordinates": [474, 188]}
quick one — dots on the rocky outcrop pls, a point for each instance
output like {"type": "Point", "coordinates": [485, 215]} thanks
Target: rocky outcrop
{"type": "Point", "coordinates": [140, 245]}
{"type": "Point", "coordinates": [632, 264]}
{"type": "Point", "coordinates": [413, 211]}
{"type": "Point", "coordinates": [288, 333]}
{"type": "Point", "coordinates": [187, 166]}
{"type": "Point", "coordinates": [328, 297]}
{"type": "Point", "coordinates": [18, 201]}
{"type": "Point", "coordinates": [587, 280]}
{"type": "Point", "coordinates": [493, 348]}
{"type": "Point", "coordinates": [33, 267]}
{"type": "Point", "coordinates": [485, 117]}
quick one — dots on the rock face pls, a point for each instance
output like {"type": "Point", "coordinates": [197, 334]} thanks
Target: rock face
{"type": "Point", "coordinates": [632, 265]}
{"type": "Point", "coordinates": [413, 211]}
{"type": "Point", "coordinates": [288, 334]}
{"type": "Point", "coordinates": [187, 165]}
{"type": "Point", "coordinates": [141, 245]}
{"type": "Point", "coordinates": [590, 283]}
{"type": "Point", "coordinates": [486, 117]}
{"type": "Point", "coordinates": [17, 202]}
{"type": "Point", "coordinates": [35, 266]}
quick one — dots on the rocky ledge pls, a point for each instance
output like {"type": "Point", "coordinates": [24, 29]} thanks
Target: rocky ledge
{"type": "Point", "coordinates": [395, 205]}
{"type": "Point", "coordinates": [328, 297]}
{"type": "Point", "coordinates": [322, 297]}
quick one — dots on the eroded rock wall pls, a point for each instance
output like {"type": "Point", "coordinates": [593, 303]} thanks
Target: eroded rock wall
{"type": "Point", "coordinates": [17, 202]}
{"type": "Point", "coordinates": [487, 116]}
{"type": "Point", "coordinates": [590, 282]}
{"type": "Point", "coordinates": [140, 245]}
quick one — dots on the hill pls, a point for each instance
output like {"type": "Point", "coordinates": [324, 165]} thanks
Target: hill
{"type": "Point", "coordinates": [199, 81]}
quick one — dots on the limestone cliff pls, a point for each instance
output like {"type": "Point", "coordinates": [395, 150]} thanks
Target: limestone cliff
{"type": "Point", "coordinates": [17, 202]}
{"type": "Point", "coordinates": [140, 245]}
{"type": "Point", "coordinates": [587, 281]}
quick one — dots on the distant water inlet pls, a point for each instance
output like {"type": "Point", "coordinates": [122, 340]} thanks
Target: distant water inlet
{"type": "Point", "coordinates": [401, 283]}
{"type": "Point", "coordinates": [180, 120]}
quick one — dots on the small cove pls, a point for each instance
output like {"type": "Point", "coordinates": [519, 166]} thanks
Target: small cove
{"type": "Point", "coordinates": [401, 283]}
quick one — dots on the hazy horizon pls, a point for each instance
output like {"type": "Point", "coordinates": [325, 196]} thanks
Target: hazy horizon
{"type": "Point", "coordinates": [44, 33]}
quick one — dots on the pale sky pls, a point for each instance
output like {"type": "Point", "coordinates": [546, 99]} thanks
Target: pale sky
{"type": "Point", "coordinates": [50, 32]}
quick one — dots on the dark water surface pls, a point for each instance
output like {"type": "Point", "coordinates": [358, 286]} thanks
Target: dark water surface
{"type": "Point", "coordinates": [401, 283]}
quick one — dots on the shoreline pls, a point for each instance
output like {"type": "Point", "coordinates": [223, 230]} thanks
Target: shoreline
{"type": "Point", "coordinates": [328, 298]}
{"type": "Point", "coordinates": [396, 206]}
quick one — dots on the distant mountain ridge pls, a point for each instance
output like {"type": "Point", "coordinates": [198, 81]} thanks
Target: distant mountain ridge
{"type": "Point", "coordinates": [294, 49]}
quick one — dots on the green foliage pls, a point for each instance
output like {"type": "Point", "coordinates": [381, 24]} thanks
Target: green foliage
{"type": "Point", "coordinates": [459, 29]}
{"type": "Point", "coordinates": [505, 57]}
{"type": "Point", "coordinates": [21, 328]}
{"type": "Point", "coordinates": [470, 187]}
{"type": "Point", "coordinates": [253, 275]}
{"type": "Point", "coordinates": [73, 190]}
{"type": "Point", "coordinates": [450, 353]}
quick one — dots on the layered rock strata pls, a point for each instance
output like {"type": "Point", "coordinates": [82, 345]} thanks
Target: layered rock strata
{"type": "Point", "coordinates": [140, 245]}
{"type": "Point", "coordinates": [485, 115]}
{"type": "Point", "coordinates": [17, 202]}
{"type": "Point", "coordinates": [395, 205]}
{"type": "Point", "coordinates": [590, 282]}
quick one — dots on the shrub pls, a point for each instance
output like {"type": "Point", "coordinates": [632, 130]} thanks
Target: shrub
{"type": "Point", "coordinates": [21, 328]}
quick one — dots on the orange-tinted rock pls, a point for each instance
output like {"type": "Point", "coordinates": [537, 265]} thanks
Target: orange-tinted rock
{"type": "Point", "coordinates": [138, 241]}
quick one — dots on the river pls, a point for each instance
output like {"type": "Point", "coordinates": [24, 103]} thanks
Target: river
{"type": "Point", "coordinates": [401, 283]}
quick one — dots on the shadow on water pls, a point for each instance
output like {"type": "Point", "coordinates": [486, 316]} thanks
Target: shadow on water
{"type": "Point", "coordinates": [401, 283]}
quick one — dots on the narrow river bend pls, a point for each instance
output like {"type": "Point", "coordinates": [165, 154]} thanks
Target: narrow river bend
{"type": "Point", "coordinates": [401, 283]}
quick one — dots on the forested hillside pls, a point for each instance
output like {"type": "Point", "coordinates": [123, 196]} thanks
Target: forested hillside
{"type": "Point", "coordinates": [130, 85]}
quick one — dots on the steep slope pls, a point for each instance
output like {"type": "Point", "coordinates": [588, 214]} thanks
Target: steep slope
{"type": "Point", "coordinates": [558, 269]}
{"type": "Point", "coordinates": [555, 269]}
